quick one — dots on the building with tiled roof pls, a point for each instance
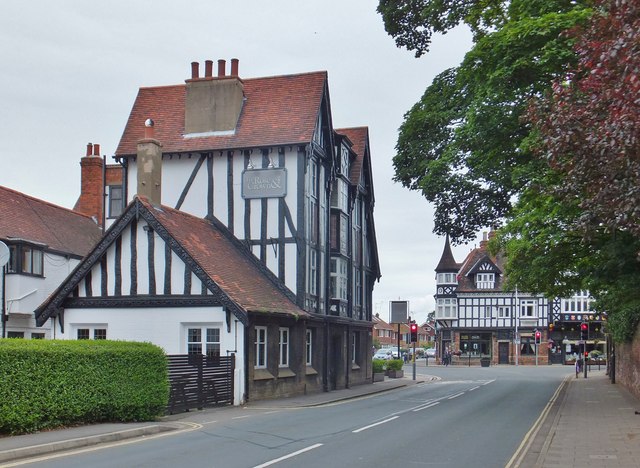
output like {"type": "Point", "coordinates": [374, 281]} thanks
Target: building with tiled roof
{"type": "Point", "coordinates": [45, 242]}
{"type": "Point", "coordinates": [477, 317]}
{"type": "Point", "coordinates": [259, 160]}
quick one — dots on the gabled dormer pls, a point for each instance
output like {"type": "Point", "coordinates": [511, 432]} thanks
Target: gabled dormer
{"type": "Point", "coordinates": [484, 273]}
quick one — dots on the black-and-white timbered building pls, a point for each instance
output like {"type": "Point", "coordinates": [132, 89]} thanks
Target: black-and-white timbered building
{"type": "Point", "coordinates": [476, 317]}
{"type": "Point", "coordinates": [256, 161]}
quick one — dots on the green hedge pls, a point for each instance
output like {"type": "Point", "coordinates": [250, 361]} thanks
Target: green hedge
{"type": "Point", "coordinates": [52, 383]}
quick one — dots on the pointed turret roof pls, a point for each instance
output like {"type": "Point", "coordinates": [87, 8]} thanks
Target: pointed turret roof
{"type": "Point", "coordinates": [447, 262]}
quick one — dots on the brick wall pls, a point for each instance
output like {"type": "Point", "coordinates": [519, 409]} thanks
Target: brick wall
{"type": "Point", "coordinates": [628, 364]}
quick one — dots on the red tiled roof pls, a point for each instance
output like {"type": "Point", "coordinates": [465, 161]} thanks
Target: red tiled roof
{"type": "Point", "coordinates": [232, 270]}
{"type": "Point", "coordinates": [277, 110]}
{"type": "Point", "coordinates": [359, 136]}
{"type": "Point", "coordinates": [465, 283]}
{"type": "Point", "coordinates": [31, 219]}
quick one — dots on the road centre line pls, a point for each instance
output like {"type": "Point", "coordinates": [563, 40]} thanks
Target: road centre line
{"type": "Point", "coordinates": [430, 405]}
{"type": "Point", "coordinates": [374, 424]}
{"type": "Point", "coordinates": [291, 455]}
{"type": "Point", "coordinates": [474, 388]}
{"type": "Point", "coordinates": [455, 396]}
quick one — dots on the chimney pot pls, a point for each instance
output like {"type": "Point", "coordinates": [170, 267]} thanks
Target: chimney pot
{"type": "Point", "coordinates": [96, 149]}
{"type": "Point", "coordinates": [195, 70]}
{"type": "Point", "coordinates": [89, 149]}
{"type": "Point", "coordinates": [234, 67]}
{"type": "Point", "coordinates": [148, 129]}
{"type": "Point", "coordinates": [208, 68]}
{"type": "Point", "coordinates": [221, 67]}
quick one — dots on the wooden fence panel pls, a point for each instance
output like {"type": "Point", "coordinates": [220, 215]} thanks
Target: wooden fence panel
{"type": "Point", "coordinates": [197, 381]}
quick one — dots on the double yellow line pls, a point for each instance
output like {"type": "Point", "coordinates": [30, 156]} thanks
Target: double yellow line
{"type": "Point", "coordinates": [530, 436]}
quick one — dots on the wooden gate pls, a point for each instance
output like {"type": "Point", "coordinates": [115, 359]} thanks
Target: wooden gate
{"type": "Point", "coordinates": [197, 381]}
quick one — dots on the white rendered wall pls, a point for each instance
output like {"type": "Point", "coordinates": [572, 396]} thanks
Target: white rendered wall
{"type": "Point", "coordinates": [165, 327]}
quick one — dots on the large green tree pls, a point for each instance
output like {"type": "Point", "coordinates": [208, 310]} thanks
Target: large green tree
{"type": "Point", "coordinates": [464, 145]}
{"type": "Point", "coordinates": [587, 213]}
{"type": "Point", "coordinates": [562, 174]}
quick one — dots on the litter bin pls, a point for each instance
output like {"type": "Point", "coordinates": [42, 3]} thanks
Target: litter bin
{"type": "Point", "coordinates": [485, 361]}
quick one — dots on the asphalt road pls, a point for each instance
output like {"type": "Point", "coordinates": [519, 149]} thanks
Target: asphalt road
{"type": "Point", "coordinates": [471, 417]}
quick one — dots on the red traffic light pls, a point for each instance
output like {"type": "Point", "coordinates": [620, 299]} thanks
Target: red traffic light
{"type": "Point", "coordinates": [414, 327]}
{"type": "Point", "coordinates": [584, 326]}
{"type": "Point", "coordinates": [586, 354]}
{"type": "Point", "coordinates": [537, 335]}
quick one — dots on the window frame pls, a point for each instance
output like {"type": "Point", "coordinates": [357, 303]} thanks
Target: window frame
{"type": "Point", "coordinates": [309, 347]}
{"type": "Point", "coordinates": [283, 347]}
{"type": "Point", "coordinates": [18, 259]}
{"type": "Point", "coordinates": [208, 345]}
{"type": "Point", "coordinates": [93, 332]}
{"type": "Point", "coordinates": [261, 350]}
{"type": "Point", "coordinates": [528, 304]}
{"type": "Point", "coordinates": [115, 211]}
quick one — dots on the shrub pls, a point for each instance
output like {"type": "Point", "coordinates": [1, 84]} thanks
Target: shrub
{"type": "Point", "coordinates": [395, 364]}
{"type": "Point", "coordinates": [378, 366]}
{"type": "Point", "coordinates": [52, 383]}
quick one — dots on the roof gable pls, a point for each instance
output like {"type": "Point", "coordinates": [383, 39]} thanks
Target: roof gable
{"type": "Point", "coordinates": [227, 269]}
{"type": "Point", "coordinates": [483, 265]}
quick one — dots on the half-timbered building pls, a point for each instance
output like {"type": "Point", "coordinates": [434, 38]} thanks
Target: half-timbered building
{"type": "Point", "coordinates": [260, 160]}
{"type": "Point", "coordinates": [477, 318]}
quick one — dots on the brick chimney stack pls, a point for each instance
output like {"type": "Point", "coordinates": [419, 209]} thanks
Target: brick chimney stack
{"type": "Point", "coordinates": [91, 198]}
{"type": "Point", "coordinates": [149, 166]}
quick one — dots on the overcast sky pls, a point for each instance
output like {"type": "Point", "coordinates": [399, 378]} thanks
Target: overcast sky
{"type": "Point", "coordinates": [70, 70]}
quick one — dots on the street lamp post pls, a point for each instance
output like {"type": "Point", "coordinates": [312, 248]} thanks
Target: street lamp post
{"type": "Point", "coordinates": [517, 317]}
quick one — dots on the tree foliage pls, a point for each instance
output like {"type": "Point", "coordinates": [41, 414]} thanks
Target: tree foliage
{"type": "Point", "coordinates": [590, 126]}
{"type": "Point", "coordinates": [414, 22]}
{"type": "Point", "coordinates": [464, 146]}
{"type": "Point", "coordinates": [589, 130]}
{"type": "Point", "coordinates": [563, 175]}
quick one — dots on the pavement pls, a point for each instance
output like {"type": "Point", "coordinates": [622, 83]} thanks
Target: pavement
{"type": "Point", "coordinates": [588, 423]}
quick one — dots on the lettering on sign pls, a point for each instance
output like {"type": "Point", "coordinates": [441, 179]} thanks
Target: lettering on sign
{"type": "Point", "coordinates": [264, 183]}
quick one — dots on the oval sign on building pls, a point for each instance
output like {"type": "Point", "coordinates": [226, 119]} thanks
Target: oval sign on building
{"type": "Point", "coordinates": [264, 183]}
{"type": "Point", "coordinates": [4, 254]}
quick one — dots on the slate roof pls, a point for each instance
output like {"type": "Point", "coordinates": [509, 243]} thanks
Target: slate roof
{"type": "Point", "coordinates": [447, 263]}
{"type": "Point", "coordinates": [60, 229]}
{"type": "Point", "coordinates": [279, 110]}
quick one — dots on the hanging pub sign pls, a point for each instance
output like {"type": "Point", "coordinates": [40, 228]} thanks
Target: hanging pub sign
{"type": "Point", "coordinates": [264, 183]}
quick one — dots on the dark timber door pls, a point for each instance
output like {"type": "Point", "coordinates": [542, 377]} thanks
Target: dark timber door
{"type": "Point", "coordinates": [503, 353]}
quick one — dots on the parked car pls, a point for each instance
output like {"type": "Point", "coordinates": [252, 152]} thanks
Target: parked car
{"type": "Point", "coordinates": [384, 353]}
{"type": "Point", "coordinates": [431, 352]}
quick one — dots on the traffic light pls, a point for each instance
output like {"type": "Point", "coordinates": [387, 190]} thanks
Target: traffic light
{"type": "Point", "coordinates": [584, 331]}
{"type": "Point", "coordinates": [538, 337]}
{"type": "Point", "coordinates": [413, 327]}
